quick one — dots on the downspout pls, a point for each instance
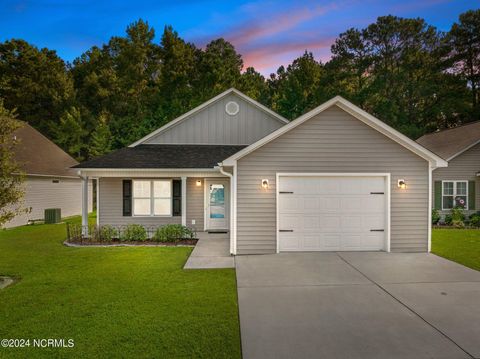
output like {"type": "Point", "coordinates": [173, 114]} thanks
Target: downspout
{"type": "Point", "coordinates": [232, 206]}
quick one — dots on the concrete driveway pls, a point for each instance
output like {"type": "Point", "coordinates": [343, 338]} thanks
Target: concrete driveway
{"type": "Point", "coordinates": [357, 305]}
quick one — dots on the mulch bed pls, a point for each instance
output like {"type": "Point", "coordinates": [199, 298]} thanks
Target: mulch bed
{"type": "Point", "coordinates": [117, 243]}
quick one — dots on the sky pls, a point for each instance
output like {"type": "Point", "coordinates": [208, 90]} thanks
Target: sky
{"type": "Point", "coordinates": [267, 33]}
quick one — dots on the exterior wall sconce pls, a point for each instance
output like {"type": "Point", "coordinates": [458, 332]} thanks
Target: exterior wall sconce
{"type": "Point", "coordinates": [199, 183]}
{"type": "Point", "coordinates": [402, 184]}
{"type": "Point", "coordinates": [265, 183]}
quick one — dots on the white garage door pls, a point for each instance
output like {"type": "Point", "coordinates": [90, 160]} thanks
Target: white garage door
{"type": "Point", "coordinates": [332, 213]}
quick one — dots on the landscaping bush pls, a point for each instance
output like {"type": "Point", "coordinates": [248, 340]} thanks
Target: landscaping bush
{"type": "Point", "coordinates": [448, 219]}
{"type": "Point", "coordinates": [475, 220]}
{"type": "Point", "coordinates": [458, 223]}
{"type": "Point", "coordinates": [172, 233]}
{"type": "Point", "coordinates": [134, 232]}
{"type": "Point", "coordinates": [457, 214]}
{"type": "Point", "coordinates": [107, 233]}
{"type": "Point", "coordinates": [435, 216]}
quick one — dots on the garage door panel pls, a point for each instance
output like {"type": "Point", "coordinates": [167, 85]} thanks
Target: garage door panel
{"type": "Point", "coordinates": [332, 213]}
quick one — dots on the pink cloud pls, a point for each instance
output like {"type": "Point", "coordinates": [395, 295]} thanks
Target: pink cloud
{"type": "Point", "coordinates": [255, 29]}
{"type": "Point", "coordinates": [265, 57]}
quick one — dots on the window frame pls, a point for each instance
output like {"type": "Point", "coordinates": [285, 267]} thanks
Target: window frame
{"type": "Point", "coordinates": [152, 198]}
{"type": "Point", "coordinates": [455, 194]}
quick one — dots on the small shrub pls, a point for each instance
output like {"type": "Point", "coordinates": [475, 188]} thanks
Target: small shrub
{"type": "Point", "coordinates": [458, 223]}
{"type": "Point", "coordinates": [172, 233]}
{"type": "Point", "coordinates": [134, 233]}
{"type": "Point", "coordinates": [435, 216]}
{"type": "Point", "coordinates": [448, 219]}
{"type": "Point", "coordinates": [475, 220]}
{"type": "Point", "coordinates": [457, 214]}
{"type": "Point", "coordinates": [107, 233]}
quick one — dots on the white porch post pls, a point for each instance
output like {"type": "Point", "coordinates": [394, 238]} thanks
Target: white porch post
{"type": "Point", "coordinates": [85, 205]}
{"type": "Point", "coordinates": [184, 201]}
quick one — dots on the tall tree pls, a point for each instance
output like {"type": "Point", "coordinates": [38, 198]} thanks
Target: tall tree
{"type": "Point", "coordinates": [70, 134]}
{"type": "Point", "coordinates": [35, 82]}
{"type": "Point", "coordinates": [296, 89]}
{"type": "Point", "coordinates": [464, 41]}
{"type": "Point", "coordinates": [219, 68]}
{"type": "Point", "coordinates": [11, 175]}
{"type": "Point", "coordinates": [179, 72]}
{"type": "Point", "coordinates": [101, 142]}
{"type": "Point", "coordinates": [254, 85]}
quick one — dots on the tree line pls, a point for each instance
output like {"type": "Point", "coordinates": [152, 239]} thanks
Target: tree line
{"type": "Point", "coordinates": [404, 71]}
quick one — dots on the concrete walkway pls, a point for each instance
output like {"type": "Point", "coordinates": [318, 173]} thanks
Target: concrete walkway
{"type": "Point", "coordinates": [357, 305]}
{"type": "Point", "coordinates": [211, 251]}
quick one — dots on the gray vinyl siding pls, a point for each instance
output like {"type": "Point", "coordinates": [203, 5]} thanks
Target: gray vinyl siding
{"type": "Point", "coordinates": [111, 209]}
{"type": "Point", "coordinates": [42, 193]}
{"type": "Point", "coordinates": [195, 203]}
{"type": "Point", "coordinates": [462, 168]}
{"type": "Point", "coordinates": [212, 125]}
{"type": "Point", "coordinates": [331, 142]}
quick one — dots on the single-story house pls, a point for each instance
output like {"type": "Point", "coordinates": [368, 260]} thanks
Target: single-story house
{"type": "Point", "coordinates": [334, 179]}
{"type": "Point", "coordinates": [459, 183]}
{"type": "Point", "coordinates": [49, 182]}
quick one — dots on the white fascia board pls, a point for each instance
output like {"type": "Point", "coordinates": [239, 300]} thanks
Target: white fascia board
{"type": "Point", "coordinates": [150, 172]}
{"type": "Point", "coordinates": [204, 105]}
{"type": "Point", "coordinates": [358, 113]}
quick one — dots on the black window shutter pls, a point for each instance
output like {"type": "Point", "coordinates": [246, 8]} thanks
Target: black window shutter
{"type": "Point", "coordinates": [127, 198]}
{"type": "Point", "coordinates": [177, 197]}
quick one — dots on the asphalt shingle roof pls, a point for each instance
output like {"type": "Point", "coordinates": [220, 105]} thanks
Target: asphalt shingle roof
{"type": "Point", "coordinates": [37, 155]}
{"type": "Point", "coordinates": [448, 143]}
{"type": "Point", "coordinates": [164, 156]}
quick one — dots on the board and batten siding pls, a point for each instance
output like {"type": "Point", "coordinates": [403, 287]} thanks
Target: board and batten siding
{"type": "Point", "coordinates": [212, 125]}
{"type": "Point", "coordinates": [42, 193]}
{"type": "Point", "coordinates": [331, 142]}
{"type": "Point", "coordinates": [464, 167]}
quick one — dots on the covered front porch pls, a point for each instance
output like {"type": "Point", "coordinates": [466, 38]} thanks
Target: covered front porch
{"type": "Point", "coordinates": [199, 200]}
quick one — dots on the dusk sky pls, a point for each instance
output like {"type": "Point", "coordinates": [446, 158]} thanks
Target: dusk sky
{"type": "Point", "coordinates": [267, 33]}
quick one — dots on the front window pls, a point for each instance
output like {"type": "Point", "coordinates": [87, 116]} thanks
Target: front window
{"type": "Point", "coordinates": [152, 198]}
{"type": "Point", "coordinates": [454, 194]}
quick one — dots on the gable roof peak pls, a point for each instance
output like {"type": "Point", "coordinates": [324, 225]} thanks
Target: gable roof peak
{"type": "Point", "coordinates": [204, 105]}
{"type": "Point", "coordinates": [356, 112]}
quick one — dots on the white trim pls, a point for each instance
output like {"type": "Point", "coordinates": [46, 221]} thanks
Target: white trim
{"type": "Point", "coordinates": [430, 170]}
{"type": "Point", "coordinates": [462, 151]}
{"type": "Point", "coordinates": [85, 206]}
{"type": "Point", "coordinates": [337, 174]}
{"type": "Point", "coordinates": [354, 111]}
{"type": "Point", "coordinates": [148, 173]}
{"type": "Point", "coordinates": [204, 105]}
{"type": "Point", "coordinates": [206, 199]}
{"type": "Point", "coordinates": [184, 200]}
{"type": "Point", "coordinates": [52, 176]}
{"type": "Point", "coordinates": [237, 108]}
{"type": "Point", "coordinates": [232, 209]}
{"type": "Point", "coordinates": [81, 170]}
{"type": "Point", "coordinates": [98, 201]}
{"type": "Point", "coordinates": [467, 205]}
{"type": "Point", "coordinates": [234, 196]}
{"type": "Point", "coordinates": [152, 198]}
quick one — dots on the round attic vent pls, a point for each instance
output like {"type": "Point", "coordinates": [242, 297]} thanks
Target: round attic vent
{"type": "Point", "coordinates": [232, 108]}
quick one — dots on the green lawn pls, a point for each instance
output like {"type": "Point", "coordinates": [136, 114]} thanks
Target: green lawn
{"type": "Point", "coordinates": [459, 245]}
{"type": "Point", "coordinates": [114, 302]}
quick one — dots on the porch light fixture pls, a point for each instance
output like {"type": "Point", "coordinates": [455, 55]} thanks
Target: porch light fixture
{"type": "Point", "coordinates": [265, 183]}
{"type": "Point", "coordinates": [199, 183]}
{"type": "Point", "coordinates": [402, 184]}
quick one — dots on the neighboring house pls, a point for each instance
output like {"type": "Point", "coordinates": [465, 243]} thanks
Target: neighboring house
{"type": "Point", "coordinates": [459, 183]}
{"type": "Point", "coordinates": [49, 182]}
{"type": "Point", "coordinates": [334, 179]}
